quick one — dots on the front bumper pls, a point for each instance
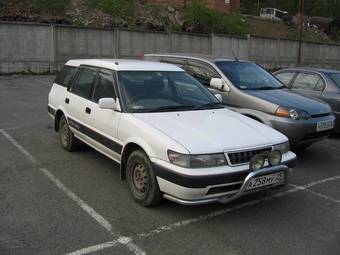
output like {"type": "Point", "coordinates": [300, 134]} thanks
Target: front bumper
{"type": "Point", "coordinates": [190, 189]}
{"type": "Point", "coordinates": [301, 132]}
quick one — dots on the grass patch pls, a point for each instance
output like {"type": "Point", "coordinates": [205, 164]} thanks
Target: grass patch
{"type": "Point", "coordinates": [201, 19]}
{"type": "Point", "coordinates": [117, 8]}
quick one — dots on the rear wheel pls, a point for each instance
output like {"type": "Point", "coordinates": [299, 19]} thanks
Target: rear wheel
{"type": "Point", "coordinates": [67, 139]}
{"type": "Point", "coordinates": [141, 179]}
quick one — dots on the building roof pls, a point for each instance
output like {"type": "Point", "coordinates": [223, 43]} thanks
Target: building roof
{"type": "Point", "coordinates": [124, 64]}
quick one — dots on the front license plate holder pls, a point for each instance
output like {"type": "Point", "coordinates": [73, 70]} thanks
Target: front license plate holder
{"type": "Point", "coordinates": [266, 180]}
{"type": "Point", "coordinates": [324, 125]}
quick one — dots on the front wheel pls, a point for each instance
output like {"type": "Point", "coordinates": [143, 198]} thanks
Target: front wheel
{"type": "Point", "coordinates": [141, 179]}
{"type": "Point", "coordinates": [67, 139]}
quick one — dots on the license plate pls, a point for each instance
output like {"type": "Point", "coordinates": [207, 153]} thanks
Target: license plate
{"type": "Point", "coordinates": [324, 125]}
{"type": "Point", "coordinates": [266, 180]}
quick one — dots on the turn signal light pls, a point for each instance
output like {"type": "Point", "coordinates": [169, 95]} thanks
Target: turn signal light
{"type": "Point", "coordinates": [282, 112]}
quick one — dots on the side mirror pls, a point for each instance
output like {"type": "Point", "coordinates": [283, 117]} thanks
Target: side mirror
{"type": "Point", "coordinates": [219, 97]}
{"type": "Point", "coordinates": [219, 84]}
{"type": "Point", "coordinates": [107, 103]}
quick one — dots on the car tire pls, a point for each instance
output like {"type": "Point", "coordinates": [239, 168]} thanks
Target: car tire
{"type": "Point", "coordinates": [141, 179]}
{"type": "Point", "coordinates": [67, 139]}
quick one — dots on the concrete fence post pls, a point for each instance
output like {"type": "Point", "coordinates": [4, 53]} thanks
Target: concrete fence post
{"type": "Point", "coordinates": [248, 46]}
{"type": "Point", "coordinates": [169, 42]}
{"type": "Point", "coordinates": [53, 48]}
{"type": "Point", "coordinates": [116, 43]}
{"type": "Point", "coordinates": [212, 38]}
{"type": "Point", "coordinates": [278, 46]}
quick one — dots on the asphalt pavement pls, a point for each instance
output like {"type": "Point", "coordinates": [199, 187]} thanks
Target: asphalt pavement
{"type": "Point", "coordinates": [56, 202]}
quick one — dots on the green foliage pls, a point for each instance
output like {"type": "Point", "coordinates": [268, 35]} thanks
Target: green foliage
{"type": "Point", "coordinates": [202, 19]}
{"type": "Point", "coordinates": [117, 8]}
{"type": "Point", "coordinates": [50, 6]}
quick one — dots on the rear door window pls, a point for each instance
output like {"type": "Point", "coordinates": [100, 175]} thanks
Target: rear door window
{"type": "Point", "coordinates": [83, 84]}
{"type": "Point", "coordinates": [65, 76]}
{"type": "Point", "coordinates": [307, 81]}
{"type": "Point", "coordinates": [285, 77]}
{"type": "Point", "coordinates": [202, 72]}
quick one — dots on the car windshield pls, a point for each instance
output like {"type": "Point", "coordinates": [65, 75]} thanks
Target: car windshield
{"type": "Point", "coordinates": [248, 76]}
{"type": "Point", "coordinates": [163, 91]}
{"type": "Point", "coordinates": [336, 78]}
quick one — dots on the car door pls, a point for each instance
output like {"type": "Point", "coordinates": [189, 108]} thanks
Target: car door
{"type": "Point", "coordinates": [104, 122]}
{"type": "Point", "coordinates": [77, 98]}
{"type": "Point", "coordinates": [308, 84]}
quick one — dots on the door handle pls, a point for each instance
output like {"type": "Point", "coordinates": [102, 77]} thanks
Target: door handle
{"type": "Point", "coordinates": [67, 100]}
{"type": "Point", "coordinates": [88, 110]}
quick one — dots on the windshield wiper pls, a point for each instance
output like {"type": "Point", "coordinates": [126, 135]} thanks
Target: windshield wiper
{"type": "Point", "coordinates": [172, 108]}
{"type": "Point", "coordinates": [264, 88]}
{"type": "Point", "coordinates": [209, 105]}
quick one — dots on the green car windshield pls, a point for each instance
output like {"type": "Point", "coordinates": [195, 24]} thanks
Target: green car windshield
{"type": "Point", "coordinates": [248, 76]}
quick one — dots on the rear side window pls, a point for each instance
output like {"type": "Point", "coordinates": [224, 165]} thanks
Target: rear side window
{"type": "Point", "coordinates": [65, 76]}
{"type": "Point", "coordinates": [83, 84]}
{"type": "Point", "coordinates": [285, 77]}
{"type": "Point", "coordinates": [307, 81]}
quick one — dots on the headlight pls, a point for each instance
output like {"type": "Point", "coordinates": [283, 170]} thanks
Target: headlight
{"type": "Point", "coordinates": [282, 147]}
{"type": "Point", "coordinates": [179, 159]}
{"type": "Point", "coordinates": [274, 158]}
{"type": "Point", "coordinates": [257, 162]}
{"type": "Point", "coordinates": [292, 113]}
{"type": "Point", "coordinates": [197, 161]}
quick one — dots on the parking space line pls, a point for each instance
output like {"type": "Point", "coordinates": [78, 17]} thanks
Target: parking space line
{"type": "Point", "coordinates": [94, 248]}
{"type": "Point", "coordinates": [316, 193]}
{"type": "Point", "coordinates": [81, 203]}
{"type": "Point", "coordinates": [214, 214]}
{"type": "Point", "coordinates": [41, 81]}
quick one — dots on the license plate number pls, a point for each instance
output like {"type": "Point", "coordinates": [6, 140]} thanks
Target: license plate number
{"type": "Point", "coordinates": [324, 125]}
{"type": "Point", "coordinates": [266, 180]}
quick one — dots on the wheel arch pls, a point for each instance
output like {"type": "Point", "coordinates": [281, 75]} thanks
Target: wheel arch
{"type": "Point", "coordinates": [58, 115]}
{"type": "Point", "coordinates": [128, 148]}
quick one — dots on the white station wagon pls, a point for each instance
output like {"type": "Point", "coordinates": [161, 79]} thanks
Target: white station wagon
{"type": "Point", "coordinates": [170, 135]}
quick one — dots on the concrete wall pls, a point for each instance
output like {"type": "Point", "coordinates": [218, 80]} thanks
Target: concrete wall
{"type": "Point", "coordinates": [45, 48]}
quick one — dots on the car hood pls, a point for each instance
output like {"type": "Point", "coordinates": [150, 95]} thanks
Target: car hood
{"type": "Point", "coordinates": [286, 98]}
{"type": "Point", "coordinates": [210, 131]}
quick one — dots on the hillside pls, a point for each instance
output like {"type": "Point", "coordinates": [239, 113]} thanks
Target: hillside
{"type": "Point", "coordinates": [133, 14]}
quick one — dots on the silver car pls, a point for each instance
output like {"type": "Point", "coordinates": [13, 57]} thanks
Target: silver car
{"type": "Point", "coordinates": [249, 89]}
{"type": "Point", "coordinates": [318, 83]}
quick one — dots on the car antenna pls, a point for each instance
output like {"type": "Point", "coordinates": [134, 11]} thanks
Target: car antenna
{"type": "Point", "coordinates": [234, 55]}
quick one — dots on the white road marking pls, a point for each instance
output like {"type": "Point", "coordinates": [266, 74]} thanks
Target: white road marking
{"type": "Point", "coordinates": [127, 241]}
{"type": "Point", "coordinates": [183, 223]}
{"type": "Point", "coordinates": [94, 248]}
{"type": "Point", "coordinates": [41, 81]}
{"type": "Point", "coordinates": [334, 200]}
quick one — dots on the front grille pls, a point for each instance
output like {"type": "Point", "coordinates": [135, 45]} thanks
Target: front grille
{"type": "Point", "coordinates": [321, 115]}
{"type": "Point", "coordinates": [243, 157]}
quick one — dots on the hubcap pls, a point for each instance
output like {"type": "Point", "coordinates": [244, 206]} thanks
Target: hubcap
{"type": "Point", "coordinates": [140, 178]}
{"type": "Point", "coordinates": [65, 135]}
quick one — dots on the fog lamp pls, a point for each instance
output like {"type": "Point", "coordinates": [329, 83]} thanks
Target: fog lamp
{"type": "Point", "coordinates": [257, 162]}
{"type": "Point", "coordinates": [274, 158]}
